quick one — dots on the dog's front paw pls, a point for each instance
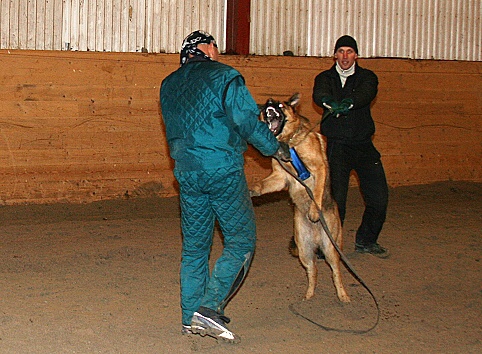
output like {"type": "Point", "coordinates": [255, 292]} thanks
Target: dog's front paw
{"type": "Point", "coordinates": [313, 213]}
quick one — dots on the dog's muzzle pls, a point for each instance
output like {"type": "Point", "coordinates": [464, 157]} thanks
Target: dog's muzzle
{"type": "Point", "coordinates": [274, 116]}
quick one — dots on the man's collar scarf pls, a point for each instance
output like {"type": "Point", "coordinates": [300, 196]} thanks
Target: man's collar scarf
{"type": "Point", "coordinates": [345, 73]}
{"type": "Point", "coordinates": [190, 43]}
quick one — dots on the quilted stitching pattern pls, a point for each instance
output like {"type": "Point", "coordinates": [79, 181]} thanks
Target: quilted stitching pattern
{"type": "Point", "coordinates": [200, 138]}
{"type": "Point", "coordinates": [221, 193]}
{"type": "Point", "coordinates": [208, 147]}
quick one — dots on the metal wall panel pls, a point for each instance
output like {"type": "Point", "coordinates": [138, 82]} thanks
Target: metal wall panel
{"type": "Point", "coordinates": [417, 29]}
{"type": "Point", "coordinates": [108, 25]}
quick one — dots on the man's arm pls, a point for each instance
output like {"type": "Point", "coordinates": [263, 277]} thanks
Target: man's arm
{"type": "Point", "coordinates": [244, 112]}
{"type": "Point", "coordinates": [366, 89]}
{"type": "Point", "coordinates": [322, 90]}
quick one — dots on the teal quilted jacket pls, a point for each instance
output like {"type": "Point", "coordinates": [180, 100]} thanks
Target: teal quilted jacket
{"type": "Point", "coordinates": [210, 116]}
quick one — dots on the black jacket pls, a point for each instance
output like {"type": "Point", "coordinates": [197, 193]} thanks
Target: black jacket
{"type": "Point", "coordinates": [362, 88]}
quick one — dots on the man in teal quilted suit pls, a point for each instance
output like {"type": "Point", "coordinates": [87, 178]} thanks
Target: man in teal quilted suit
{"type": "Point", "coordinates": [210, 116]}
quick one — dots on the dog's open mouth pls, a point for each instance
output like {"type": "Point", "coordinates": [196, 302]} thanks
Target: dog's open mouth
{"type": "Point", "coordinates": [274, 116]}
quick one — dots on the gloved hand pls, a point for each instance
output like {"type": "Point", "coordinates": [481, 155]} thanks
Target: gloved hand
{"type": "Point", "coordinates": [329, 103]}
{"type": "Point", "coordinates": [340, 109]}
{"type": "Point", "coordinates": [345, 105]}
{"type": "Point", "coordinates": [283, 152]}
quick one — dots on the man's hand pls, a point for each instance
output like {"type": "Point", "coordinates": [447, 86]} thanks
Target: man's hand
{"type": "Point", "coordinates": [339, 109]}
{"type": "Point", "coordinates": [283, 152]}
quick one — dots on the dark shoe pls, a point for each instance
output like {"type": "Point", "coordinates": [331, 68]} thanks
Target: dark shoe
{"type": "Point", "coordinates": [374, 249]}
{"type": "Point", "coordinates": [208, 322]}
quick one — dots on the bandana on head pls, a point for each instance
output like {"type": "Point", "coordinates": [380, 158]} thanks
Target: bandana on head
{"type": "Point", "coordinates": [190, 43]}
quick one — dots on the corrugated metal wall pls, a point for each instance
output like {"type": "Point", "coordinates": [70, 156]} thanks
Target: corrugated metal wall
{"type": "Point", "coordinates": [107, 25]}
{"type": "Point", "coordinates": [418, 29]}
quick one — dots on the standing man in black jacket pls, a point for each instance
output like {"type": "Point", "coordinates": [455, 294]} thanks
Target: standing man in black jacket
{"type": "Point", "coordinates": [345, 92]}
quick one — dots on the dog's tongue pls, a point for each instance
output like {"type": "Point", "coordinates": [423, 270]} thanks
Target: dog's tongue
{"type": "Point", "coordinates": [273, 126]}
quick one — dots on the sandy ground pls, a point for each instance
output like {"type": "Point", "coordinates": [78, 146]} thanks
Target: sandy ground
{"type": "Point", "coordinates": [103, 278]}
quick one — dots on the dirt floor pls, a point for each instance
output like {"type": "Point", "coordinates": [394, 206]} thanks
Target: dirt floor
{"type": "Point", "coordinates": [103, 278]}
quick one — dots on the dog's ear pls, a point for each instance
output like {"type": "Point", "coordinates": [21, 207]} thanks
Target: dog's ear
{"type": "Point", "coordinates": [294, 100]}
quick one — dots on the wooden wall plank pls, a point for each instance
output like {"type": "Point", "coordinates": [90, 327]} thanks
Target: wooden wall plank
{"type": "Point", "coordinates": [14, 24]}
{"type": "Point", "coordinates": [99, 25]}
{"type": "Point", "coordinates": [40, 24]}
{"type": "Point", "coordinates": [4, 23]}
{"type": "Point", "coordinates": [58, 43]}
{"type": "Point", "coordinates": [116, 25]}
{"type": "Point", "coordinates": [85, 126]}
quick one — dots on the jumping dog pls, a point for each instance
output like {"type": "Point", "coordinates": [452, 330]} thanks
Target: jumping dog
{"type": "Point", "coordinates": [310, 237]}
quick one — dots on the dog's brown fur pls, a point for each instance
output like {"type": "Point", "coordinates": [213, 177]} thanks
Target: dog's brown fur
{"type": "Point", "coordinates": [309, 233]}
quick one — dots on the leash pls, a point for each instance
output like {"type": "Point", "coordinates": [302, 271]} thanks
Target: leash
{"type": "Point", "coordinates": [343, 258]}
{"type": "Point", "coordinates": [325, 115]}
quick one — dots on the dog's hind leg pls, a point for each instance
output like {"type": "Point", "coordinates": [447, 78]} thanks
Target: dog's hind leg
{"type": "Point", "coordinates": [333, 259]}
{"type": "Point", "coordinates": [306, 250]}
{"type": "Point", "coordinates": [334, 262]}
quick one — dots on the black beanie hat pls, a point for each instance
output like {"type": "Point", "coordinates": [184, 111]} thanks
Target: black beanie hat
{"type": "Point", "coordinates": [346, 41]}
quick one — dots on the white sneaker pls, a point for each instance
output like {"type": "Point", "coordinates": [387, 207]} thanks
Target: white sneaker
{"type": "Point", "coordinates": [208, 322]}
{"type": "Point", "coordinates": [186, 329]}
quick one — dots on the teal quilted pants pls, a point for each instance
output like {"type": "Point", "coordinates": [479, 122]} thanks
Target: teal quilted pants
{"type": "Point", "coordinates": [205, 196]}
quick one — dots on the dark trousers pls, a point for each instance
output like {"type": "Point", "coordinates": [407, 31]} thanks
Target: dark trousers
{"type": "Point", "coordinates": [364, 159]}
